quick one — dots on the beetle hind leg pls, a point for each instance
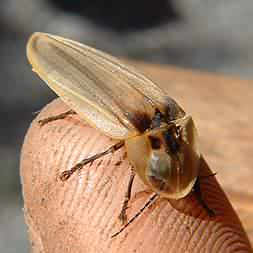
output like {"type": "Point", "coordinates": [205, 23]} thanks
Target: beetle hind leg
{"type": "Point", "coordinates": [63, 115]}
{"type": "Point", "coordinates": [151, 200]}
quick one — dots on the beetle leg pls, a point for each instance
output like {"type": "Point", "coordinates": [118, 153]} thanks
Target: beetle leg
{"type": "Point", "coordinates": [63, 115]}
{"type": "Point", "coordinates": [198, 194]}
{"type": "Point", "coordinates": [151, 200]}
{"type": "Point", "coordinates": [67, 173]}
{"type": "Point", "coordinates": [127, 196]}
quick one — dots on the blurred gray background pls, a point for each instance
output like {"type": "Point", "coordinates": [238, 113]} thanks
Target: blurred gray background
{"type": "Point", "coordinates": [210, 35]}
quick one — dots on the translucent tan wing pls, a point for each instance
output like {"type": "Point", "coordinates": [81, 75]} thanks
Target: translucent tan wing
{"type": "Point", "coordinates": [109, 95]}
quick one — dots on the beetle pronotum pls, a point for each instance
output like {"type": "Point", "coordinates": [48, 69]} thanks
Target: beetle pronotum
{"type": "Point", "coordinates": [159, 137]}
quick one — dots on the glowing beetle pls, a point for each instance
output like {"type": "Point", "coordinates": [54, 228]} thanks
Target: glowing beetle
{"type": "Point", "coordinates": [160, 139]}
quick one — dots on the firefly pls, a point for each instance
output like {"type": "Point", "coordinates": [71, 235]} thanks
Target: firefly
{"type": "Point", "coordinates": [160, 138]}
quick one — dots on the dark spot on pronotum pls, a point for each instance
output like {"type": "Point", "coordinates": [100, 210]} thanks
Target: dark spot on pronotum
{"type": "Point", "coordinates": [155, 142]}
{"type": "Point", "coordinates": [140, 120]}
{"type": "Point", "coordinates": [173, 110]}
{"type": "Point", "coordinates": [171, 142]}
{"type": "Point", "coordinates": [157, 119]}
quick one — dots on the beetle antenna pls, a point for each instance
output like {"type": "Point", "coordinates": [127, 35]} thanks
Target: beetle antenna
{"type": "Point", "coordinates": [151, 200]}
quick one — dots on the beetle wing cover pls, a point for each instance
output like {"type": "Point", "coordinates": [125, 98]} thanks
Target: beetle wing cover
{"type": "Point", "coordinates": [108, 94]}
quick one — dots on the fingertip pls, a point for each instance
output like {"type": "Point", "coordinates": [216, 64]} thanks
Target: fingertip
{"type": "Point", "coordinates": [81, 214]}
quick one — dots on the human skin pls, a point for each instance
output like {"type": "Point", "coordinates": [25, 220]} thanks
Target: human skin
{"type": "Point", "coordinates": [81, 214]}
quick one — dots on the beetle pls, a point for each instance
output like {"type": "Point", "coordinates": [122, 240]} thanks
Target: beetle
{"type": "Point", "coordinates": [160, 138]}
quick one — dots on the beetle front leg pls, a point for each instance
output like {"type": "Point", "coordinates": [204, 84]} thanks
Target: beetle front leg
{"type": "Point", "coordinates": [65, 175]}
{"type": "Point", "coordinates": [63, 115]}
